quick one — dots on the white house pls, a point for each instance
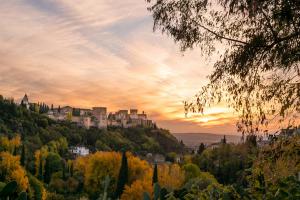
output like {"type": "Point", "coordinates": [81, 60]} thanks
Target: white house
{"type": "Point", "coordinates": [80, 151]}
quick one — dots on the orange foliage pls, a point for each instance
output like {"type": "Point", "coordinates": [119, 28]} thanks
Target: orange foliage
{"type": "Point", "coordinates": [12, 170]}
{"type": "Point", "coordinates": [136, 190]}
{"type": "Point", "coordinates": [170, 176]}
{"type": "Point", "coordinates": [138, 169]}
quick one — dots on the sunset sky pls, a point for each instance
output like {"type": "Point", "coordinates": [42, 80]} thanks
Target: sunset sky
{"type": "Point", "coordinates": [102, 53]}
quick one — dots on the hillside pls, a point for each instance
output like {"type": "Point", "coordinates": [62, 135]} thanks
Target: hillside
{"type": "Point", "coordinates": [37, 130]}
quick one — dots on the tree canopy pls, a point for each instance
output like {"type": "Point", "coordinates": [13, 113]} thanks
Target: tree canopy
{"type": "Point", "coordinates": [259, 73]}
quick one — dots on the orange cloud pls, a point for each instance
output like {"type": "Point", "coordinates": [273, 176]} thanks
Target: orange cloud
{"type": "Point", "coordinates": [102, 53]}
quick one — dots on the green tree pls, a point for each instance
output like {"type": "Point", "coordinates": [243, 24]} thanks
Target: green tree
{"type": "Point", "coordinates": [123, 176]}
{"type": "Point", "coordinates": [258, 72]}
{"type": "Point", "coordinates": [155, 175]}
{"type": "Point", "coordinates": [53, 164]}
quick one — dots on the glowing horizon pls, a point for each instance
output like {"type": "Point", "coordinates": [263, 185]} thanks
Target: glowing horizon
{"type": "Point", "coordinates": [103, 53]}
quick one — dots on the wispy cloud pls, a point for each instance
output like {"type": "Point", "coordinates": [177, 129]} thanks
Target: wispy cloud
{"type": "Point", "coordinates": [86, 53]}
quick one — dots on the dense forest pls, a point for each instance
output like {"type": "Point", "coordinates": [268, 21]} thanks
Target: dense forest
{"type": "Point", "coordinates": [35, 163]}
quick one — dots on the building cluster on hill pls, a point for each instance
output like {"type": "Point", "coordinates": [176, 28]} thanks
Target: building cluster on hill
{"type": "Point", "coordinates": [97, 116]}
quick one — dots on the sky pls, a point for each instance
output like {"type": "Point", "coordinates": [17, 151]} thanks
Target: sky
{"type": "Point", "coordinates": [103, 53]}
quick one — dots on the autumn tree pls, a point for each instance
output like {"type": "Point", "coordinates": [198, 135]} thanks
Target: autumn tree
{"type": "Point", "coordinates": [170, 176]}
{"type": "Point", "coordinates": [123, 176]}
{"type": "Point", "coordinates": [136, 190]}
{"type": "Point", "coordinates": [258, 73]}
{"type": "Point", "coordinates": [10, 169]}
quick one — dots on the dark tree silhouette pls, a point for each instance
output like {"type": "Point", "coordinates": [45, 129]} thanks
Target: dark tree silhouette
{"type": "Point", "coordinates": [224, 141]}
{"type": "Point", "coordinates": [40, 172]}
{"type": "Point", "coordinates": [15, 151]}
{"type": "Point", "coordinates": [123, 176]}
{"type": "Point", "coordinates": [71, 169]}
{"type": "Point", "coordinates": [201, 148]}
{"type": "Point", "coordinates": [23, 156]}
{"type": "Point", "coordinates": [258, 73]}
{"type": "Point", "coordinates": [155, 175]}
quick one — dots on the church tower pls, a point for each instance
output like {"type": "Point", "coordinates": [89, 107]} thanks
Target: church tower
{"type": "Point", "coordinates": [25, 101]}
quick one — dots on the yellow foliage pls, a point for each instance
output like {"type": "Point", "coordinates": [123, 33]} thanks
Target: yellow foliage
{"type": "Point", "coordinates": [170, 176]}
{"type": "Point", "coordinates": [16, 141]}
{"type": "Point", "coordinates": [136, 190]}
{"type": "Point", "coordinates": [10, 145]}
{"type": "Point", "coordinates": [138, 169]}
{"type": "Point", "coordinates": [12, 170]}
{"type": "Point", "coordinates": [40, 154]}
{"type": "Point", "coordinates": [96, 166]}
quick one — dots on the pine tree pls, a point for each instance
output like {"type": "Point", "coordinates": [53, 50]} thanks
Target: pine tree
{"type": "Point", "coordinates": [58, 109]}
{"type": "Point", "coordinates": [123, 176]}
{"type": "Point", "coordinates": [22, 159]}
{"type": "Point", "coordinates": [52, 107]}
{"type": "Point", "coordinates": [155, 175]}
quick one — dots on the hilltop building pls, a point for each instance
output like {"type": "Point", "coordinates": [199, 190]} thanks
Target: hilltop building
{"type": "Point", "coordinates": [96, 117]}
{"type": "Point", "coordinates": [25, 101]}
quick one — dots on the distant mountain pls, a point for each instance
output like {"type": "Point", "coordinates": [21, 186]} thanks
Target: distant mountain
{"type": "Point", "coordinates": [194, 139]}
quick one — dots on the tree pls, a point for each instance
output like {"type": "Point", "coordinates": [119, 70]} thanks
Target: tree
{"type": "Point", "coordinates": [40, 169]}
{"type": "Point", "coordinates": [71, 169]}
{"type": "Point", "coordinates": [155, 175]}
{"type": "Point", "coordinates": [15, 151]}
{"type": "Point", "coordinates": [11, 169]}
{"type": "Point", "coordinates": [224, 141]}
{"type": "Point", "coordinates": [53, 164]}
{"type": "Point", "coordinates": [123, 176]}
{"type": "Point", "coordinates": [258, 73]}
{"type": "Point", "coordinates": [201, 148]}
{"type": "Point", "coordinates": [22, 159]}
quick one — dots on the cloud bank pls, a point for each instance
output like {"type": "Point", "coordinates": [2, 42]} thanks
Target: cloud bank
{"type": "Point", "coordinates": [102, 53]}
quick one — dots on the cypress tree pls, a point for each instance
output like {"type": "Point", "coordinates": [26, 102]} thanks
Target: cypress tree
{"type": "Point", "coordinates": [155, 176]}
{"type": "Point", "coordinates": [224, 139]}
{"type": "Point", "coordinates": [48, 172]}
{"type": "Point", "coordinates": [71, 169]}
{"type": "Point", "coordinates": [63, 170]}
{"type": "Point", "coordinates": [15, 151]}
{"type": "Point", "coordinates": [201, 148]}
{"type": "Point", "coordinates": [22, 159]}
{"type": "Point", "coordinates": [40, 174]}
{"type": "Point", "coordinates": [123, 176]}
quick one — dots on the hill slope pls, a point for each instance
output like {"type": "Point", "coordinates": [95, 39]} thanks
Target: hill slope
{"type": "Point", "coordinates": [37, 130]}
